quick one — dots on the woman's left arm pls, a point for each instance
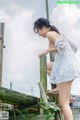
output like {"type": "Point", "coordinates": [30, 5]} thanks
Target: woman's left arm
{"type": "Point", "coordinates": [51, 37]}
{"type": "Point", "coordinates": [49, 50]}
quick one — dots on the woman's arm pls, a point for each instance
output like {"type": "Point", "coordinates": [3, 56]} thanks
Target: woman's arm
{"type": "Point", "coordinates": [51, 50]}
{"type": "Point", "coordinates": [52, 47]}
{"type": "Point", "coordinates": [51, 37]}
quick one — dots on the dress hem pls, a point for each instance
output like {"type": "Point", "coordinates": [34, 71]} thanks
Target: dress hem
{"type": "Point", "coordinates": [54, 82]}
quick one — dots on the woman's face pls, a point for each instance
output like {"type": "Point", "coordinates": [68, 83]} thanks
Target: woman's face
{"type": "Point", "coordinates": [43, 31]}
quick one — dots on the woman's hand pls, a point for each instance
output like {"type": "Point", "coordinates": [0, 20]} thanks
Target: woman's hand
{"type": "Point", "coordinates": [43, 53]}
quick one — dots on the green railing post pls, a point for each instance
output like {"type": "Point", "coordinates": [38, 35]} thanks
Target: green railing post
{"type": "Point", "coordinates": [43, 72]}
{"type": "Point", "coordinates": [43, 80]}
{"type": "Point", "coordinates": [43, 76]}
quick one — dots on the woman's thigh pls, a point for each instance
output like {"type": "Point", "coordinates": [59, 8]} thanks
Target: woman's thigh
{"type": "Point", "coordinates": [50, 65]}
{"type": "Point", "coordinates": [64, 92]}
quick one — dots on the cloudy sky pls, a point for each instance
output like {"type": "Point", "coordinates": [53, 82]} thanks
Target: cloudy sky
{"type": "Point", "coordinates": [20, 59]}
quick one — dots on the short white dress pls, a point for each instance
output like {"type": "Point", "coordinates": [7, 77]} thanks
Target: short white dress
{"type": "Point", "coordinates": [65, 67]}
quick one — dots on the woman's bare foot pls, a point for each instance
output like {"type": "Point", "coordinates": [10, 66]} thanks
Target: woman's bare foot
{"type": "Point", "coordinates": [55, 90]}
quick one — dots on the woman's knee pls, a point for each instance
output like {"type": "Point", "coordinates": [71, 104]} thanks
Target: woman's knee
{"type": "Point", "coordinates": [63, 103]}
{"type": "Point", "coordinates": [49, 65]}
{"type": "Point", "coordinates": [48, 72]}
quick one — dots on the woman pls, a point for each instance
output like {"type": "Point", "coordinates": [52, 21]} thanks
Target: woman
{"type": "Point", "coordinates": [64, 70]}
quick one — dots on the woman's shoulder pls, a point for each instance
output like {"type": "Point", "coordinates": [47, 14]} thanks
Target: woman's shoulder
{"type": "Point", "coordinates": [52, 36]}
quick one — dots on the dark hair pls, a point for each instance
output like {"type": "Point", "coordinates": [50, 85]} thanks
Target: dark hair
{"type": "Point", "coordinates": [40, 22]}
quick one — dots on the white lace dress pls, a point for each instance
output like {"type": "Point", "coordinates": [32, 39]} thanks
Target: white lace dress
{"type": "Point", "coordinates": [65, 67]}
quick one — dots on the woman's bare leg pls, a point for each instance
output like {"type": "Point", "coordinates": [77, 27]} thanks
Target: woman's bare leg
{"type": "Point", "coordinates": [49, 69]}
{"type": "Point", "coordinates": [64, 95]}
{"type": "Point", "coordinates": [48, 72]}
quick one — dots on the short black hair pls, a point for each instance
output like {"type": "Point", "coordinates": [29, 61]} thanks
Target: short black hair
{"type": "Point", "coordinates": [40, 22]}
